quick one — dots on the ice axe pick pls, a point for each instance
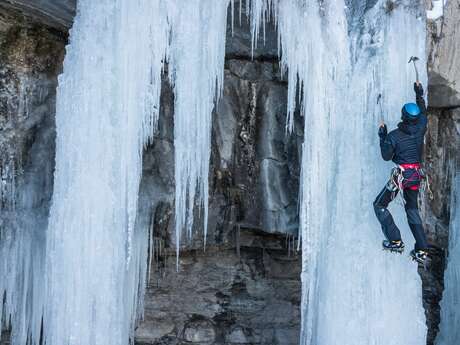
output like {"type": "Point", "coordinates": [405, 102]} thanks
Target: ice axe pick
{"type": "Point", "coordinates": [414, 59]}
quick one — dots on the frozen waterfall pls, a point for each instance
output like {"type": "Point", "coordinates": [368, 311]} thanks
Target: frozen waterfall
{"type": "Point", "coordinates": [352, 291]}
{"type": "Point", "coordinates": [337, 57]}
{"type": "Point", "coordinates": [107, 106]}
{"type": "Point", "coordinates": [449, 333]}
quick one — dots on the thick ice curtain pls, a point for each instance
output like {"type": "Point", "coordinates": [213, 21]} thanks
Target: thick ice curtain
{"type": "Point", "coordinates": [107, 106]}
{"type": "Point", "coordinates": [336, 67]}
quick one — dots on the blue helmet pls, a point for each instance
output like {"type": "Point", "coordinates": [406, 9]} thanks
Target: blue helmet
{"type": "Point", "coordinates": [410, 111]}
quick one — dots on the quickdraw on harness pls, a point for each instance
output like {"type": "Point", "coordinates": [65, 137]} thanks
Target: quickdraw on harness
{"type": "Point", "coordinates": [409, 176]}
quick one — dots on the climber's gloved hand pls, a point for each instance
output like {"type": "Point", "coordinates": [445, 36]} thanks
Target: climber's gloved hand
{"type": "Point", "coordinates": [383, 131]}
{"type": "Point", "coordinates": [418, 88]}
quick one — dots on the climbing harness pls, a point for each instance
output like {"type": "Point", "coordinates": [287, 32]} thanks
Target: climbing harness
{"type": "Point", "coordinates": [408, 176]}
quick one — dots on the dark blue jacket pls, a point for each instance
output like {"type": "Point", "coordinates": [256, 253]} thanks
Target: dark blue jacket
{"type": "Point", "coordinates": [404, 145]}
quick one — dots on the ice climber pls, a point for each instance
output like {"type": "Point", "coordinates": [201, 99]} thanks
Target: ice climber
{"type": "Point", "coordinates": [404, 146]}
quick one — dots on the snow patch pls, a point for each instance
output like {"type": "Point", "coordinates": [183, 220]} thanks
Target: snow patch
{"type": "Point", "coordinates": [437, 11]}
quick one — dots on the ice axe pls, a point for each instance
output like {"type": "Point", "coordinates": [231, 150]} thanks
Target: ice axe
{"type": "Point", "coordinates": [414, 59]}
{"type": "Point", "coordinates": [379, 99]}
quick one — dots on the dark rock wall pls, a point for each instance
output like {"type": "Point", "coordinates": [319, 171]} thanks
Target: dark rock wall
{"type": "Point", "coordinates": [53, 13]}
{"type": "Point", "coordinates": [442, 153]}
{"type": "Point", "coordinates": [245, 288]}
{"type": "Point", "coordinates": [30, 57]}
{"type": "Point", "coordinates": [228, 294]}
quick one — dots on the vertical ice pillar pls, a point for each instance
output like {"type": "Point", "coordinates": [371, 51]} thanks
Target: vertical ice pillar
{"type": "Point", "coordinates": [449, 333]}
{"type": "Point", "coordinates": [336, 66]}
{"type": "Point", "coordinates": [196, 69]}
{"type": "Point", "coordinates": [107, 104]}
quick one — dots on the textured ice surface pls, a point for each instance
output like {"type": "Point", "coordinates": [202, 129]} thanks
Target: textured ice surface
{"type": "Point", "coordinates": [107, 107]}
{"type": "Point", "coordinates": [353, 293]}
{"type": "Point", "coordinates": [22, 241]}
{"type": "Point", "coordinates": [198, 30]}
{"type": "Point", "coordinates": [22, 269]}
{"type": "Point", "coordinates": [449, 333]}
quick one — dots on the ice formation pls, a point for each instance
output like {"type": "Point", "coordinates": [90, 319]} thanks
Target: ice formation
{"type": "Point", "coordinates": [337, 68]}
{"type": "Point", "coordinates": [107, 106]}
{"type": "Point", "coordinates": [449, 332]}
{"type": "Point", "coordinates": [22, 244]}
{"type": "Point", "coordinates": [198, 30]}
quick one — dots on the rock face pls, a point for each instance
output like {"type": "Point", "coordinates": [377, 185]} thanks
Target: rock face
{"type": "Point", "coordinates": [28, 72]}
{"type": "Point", "coordinates": [226, 295]}
{"type": "Point", "coordinates": [444, 56]}
{"type": "Point", "coordinates": [54, 13]}
{"type": "Point", "coordinates": [245, 288]}
{"type": "Point", "coordinates": [442, 154]}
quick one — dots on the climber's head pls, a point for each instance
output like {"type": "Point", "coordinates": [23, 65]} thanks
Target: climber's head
{"type": "Point", "coordinates": [410, 112]}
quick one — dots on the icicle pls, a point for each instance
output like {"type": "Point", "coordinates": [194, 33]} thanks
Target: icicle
{"type": "Point", "coordinates": [196, 70]}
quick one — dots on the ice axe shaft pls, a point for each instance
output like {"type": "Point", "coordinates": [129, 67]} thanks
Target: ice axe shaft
{"type": "Point", "coordinates": [414, 59]}
{"type": "Point", "coordinates": [379, 102]}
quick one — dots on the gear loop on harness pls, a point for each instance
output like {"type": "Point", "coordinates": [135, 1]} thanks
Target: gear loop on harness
{"type": "Point", "coordinates": [409, 176]}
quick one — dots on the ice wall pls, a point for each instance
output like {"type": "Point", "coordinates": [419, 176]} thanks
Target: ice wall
{"type": "Point", "coordinates": [22, 252]}
{"type": "Point", "coordinates": [107, 106]}
{"type": "Point", "coordinates": [449, 333]}
{"type": "Point", "coordinates": [198, 30]}
{"type": "Point", "coordinates": [352, 291]}
{"type": "Point", "coordinates": [22, 224]}
{"type": "Point", "coordinates": [107, 111]}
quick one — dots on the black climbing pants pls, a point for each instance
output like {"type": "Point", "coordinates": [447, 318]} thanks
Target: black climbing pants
{"type": "Point", "coordinates": [389, 228]}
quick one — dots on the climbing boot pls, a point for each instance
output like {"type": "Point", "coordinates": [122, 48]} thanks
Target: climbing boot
{"type": "Point", "coordinates": [419, 255]}
{"type": "Point", "coordinates": [393, 246]}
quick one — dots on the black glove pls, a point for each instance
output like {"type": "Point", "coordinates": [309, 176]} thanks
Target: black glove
{"type": "Point", "coordinates": [418, 88]}
{"type": "Point", "coordinates": [383, 132]}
